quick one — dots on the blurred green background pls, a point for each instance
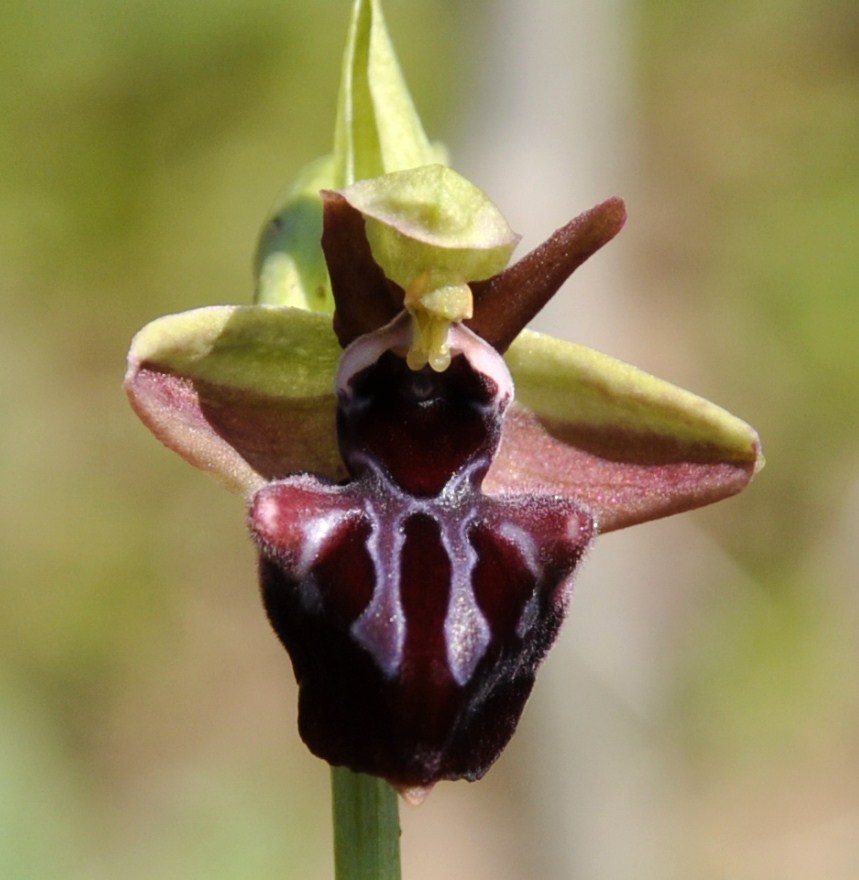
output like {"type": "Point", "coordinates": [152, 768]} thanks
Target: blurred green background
{"type": "Point", "coordinates": [147, 720]}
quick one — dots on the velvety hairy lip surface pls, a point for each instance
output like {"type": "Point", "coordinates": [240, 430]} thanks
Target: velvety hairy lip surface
{"type": "Point", "coordinates": [415, 608]}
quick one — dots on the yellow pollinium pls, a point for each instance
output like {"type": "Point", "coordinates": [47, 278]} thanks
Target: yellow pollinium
{"type": "Point", "coordinates": [435, 299]}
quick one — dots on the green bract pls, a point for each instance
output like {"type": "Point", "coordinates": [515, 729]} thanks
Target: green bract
{"type": "Point", "coordinates": [377, 130]}
{"type": "Point", "coordinates": [289, 266]}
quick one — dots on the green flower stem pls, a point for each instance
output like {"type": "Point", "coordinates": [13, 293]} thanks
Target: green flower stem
{"type": "Point", "coordinates": [366, 827]}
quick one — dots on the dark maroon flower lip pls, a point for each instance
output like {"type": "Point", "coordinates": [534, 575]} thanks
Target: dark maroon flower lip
{"type": "Point", "coordinates": [415, 608]}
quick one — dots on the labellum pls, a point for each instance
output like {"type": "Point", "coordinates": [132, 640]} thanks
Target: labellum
{"type": "Point", "coordinates": [415, 608]}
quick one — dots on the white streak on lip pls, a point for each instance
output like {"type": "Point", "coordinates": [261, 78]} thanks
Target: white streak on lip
{"type": "Point", "coordinates": [381, 628]}
{"type": "Point", "coordinates": [315, 533]}
{"type": "Point", "coordinates": [524, 543]}
{"type": "Point", "coordinates": [466, 633]}
{"type": "Point", "coordinates": [466, 630]}
{"type": "Point", "coordinates": [527, 549]}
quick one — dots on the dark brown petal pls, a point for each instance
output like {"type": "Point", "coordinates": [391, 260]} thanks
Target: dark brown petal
{"type": "Point", "coordinates": [505, 303]}
{"type": "Point", "coordinates": [364, 299]}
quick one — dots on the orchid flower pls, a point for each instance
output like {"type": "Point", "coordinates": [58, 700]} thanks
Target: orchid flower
{"type": "Point", "coordinates": [423, 475]}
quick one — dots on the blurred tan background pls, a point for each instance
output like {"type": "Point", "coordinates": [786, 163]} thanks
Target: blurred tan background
{"type": "Point", "coordinates": [700, 715]}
